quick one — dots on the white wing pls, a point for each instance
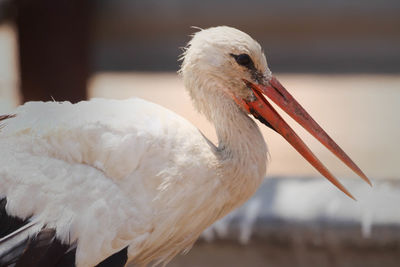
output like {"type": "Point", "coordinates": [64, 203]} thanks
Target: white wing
{"type": "Point", "coordinates": [92, 170]}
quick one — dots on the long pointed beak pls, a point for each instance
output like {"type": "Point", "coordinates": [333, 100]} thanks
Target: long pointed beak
{"type": "Point", "coordinates": [262, 110]}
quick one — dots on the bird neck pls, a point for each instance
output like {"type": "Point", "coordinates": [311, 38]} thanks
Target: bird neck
{"type": "Point", "coordinates": [241, 150]}
{"type": "Point", "coordinates": [235, 130]}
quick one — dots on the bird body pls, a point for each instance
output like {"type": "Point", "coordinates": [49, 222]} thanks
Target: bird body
{"type": "Point", "coordinates": [132, 167]}
{"type": "Point", "coordinates": [129, 178]}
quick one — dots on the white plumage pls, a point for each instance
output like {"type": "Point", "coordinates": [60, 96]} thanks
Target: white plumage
{"type": "Point", "coordinates": [108, 174]}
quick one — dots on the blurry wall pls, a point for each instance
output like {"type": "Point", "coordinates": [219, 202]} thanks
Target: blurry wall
{"type": "Point", "coordinates": [297, 36]}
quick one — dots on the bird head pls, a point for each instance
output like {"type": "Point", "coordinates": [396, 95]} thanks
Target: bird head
{"type": "Point", "coordinates": [223, 56]}
{"type": "Point", "coordinates": [223, 61]}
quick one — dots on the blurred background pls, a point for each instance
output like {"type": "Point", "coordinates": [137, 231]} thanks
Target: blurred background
{"type": "Point", "coordinates": [340, 59]}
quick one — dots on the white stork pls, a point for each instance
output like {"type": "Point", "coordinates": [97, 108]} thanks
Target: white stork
{"type": "Point", "coordinates": [105, 182]}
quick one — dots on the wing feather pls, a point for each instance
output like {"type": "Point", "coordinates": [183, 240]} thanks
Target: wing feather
{"type": "Point", "coordinates": [67, 166]}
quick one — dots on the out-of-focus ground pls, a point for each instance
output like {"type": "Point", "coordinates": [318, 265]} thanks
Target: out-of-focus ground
{"type": "Point", "coordinates": [305, 222]}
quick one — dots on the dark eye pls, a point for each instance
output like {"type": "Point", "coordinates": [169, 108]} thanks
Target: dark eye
{"type": "Point", "coordinates": [243, 60]}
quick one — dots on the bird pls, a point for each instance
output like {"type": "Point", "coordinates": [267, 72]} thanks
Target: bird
{"type": "Point", "coordinates": [105, 182]}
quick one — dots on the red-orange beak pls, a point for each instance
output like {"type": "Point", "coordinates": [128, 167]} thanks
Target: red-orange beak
{"type": "Point", "coordinates": [262, 110]}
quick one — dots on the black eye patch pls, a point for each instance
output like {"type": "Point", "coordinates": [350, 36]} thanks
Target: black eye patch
{"type": "Point", "coordinates": [244, 60]}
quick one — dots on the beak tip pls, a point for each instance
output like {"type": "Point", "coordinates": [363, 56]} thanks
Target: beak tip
{"type": "Point", "coordinates": [369, 182]}
{"type": "Point", "coordinates": [365, 178]}
{"type": "Point", "coordinates": [346, 192]}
